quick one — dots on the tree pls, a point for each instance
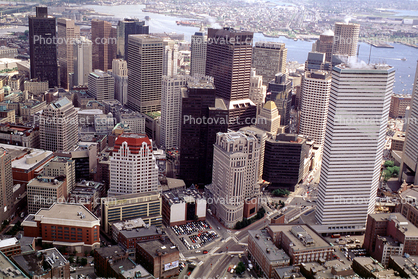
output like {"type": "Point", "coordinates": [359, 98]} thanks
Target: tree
{"type": "Point", "coordinates": [77, 260]}
{"type": "Point", "coordinates": [281, 192]}
{"type": "Point", "coordinates": [91, 253]}
{"type": "Point", "coordinates": [71, 259]}
{"type": "Point", "coordinates": [240, 268]}
{"type": "Point", "coordinates": [387, 174]}
{"type": "Point", "coordinates": [86, 253]}
{"type": "Point", "coordinates": [396, 170]}
{"type": "Point", "coordinates": [83, 261]}
{"type": "Point", "coordinates": [389, 164]}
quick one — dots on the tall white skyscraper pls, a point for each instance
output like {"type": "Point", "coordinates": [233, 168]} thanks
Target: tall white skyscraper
{"type": "Point", "coordinates": [354, 141]}
{"type": "Point", "coordinates": [198, 53]}
{"type": "Point", "coordinates": [235, 174]}
{"type": "Point", "coordinates": [101, 85]}
{"type": "Point", "coordinates": [82, 61]}
{"type": "Point", "coordinates": [171, 57]}
{"type": "Point", "coordinates": [133, 167]}
{"type": "Point", "coordinates": [316, 86]}
{"type": "Point", "coordinates": [120, 73]}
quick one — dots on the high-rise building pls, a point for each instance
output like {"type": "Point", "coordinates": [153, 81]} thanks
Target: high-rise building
{"type": "Point", "coordinates": [324, 44]}
{"type": "Point", "coordinates": [43, 191]}
{"type": "Point", "coordinates": [345, 39]}
{"type": "Point", "coordinates": [355, 137]}
{"type": "Point", "coordinates": [398, 105]}
{"type": "Point", "coordinates": [228, 61]}
{"type": "Point", "coordinates": [269, 58]}
{"type": "Point", "coordinates": [316, 61]}
{"type": "Point", "coordinates": [316, 86]}
{"type": "Point", "coordinates": [101, 85]}
{"type": "Point", "coordinates": [409, 163]}
{"type": "Point", "coordinates": [42, 47]}
{"type": "Point", "coordinates": [235, 174]}
{"type": "Point", "coordinates": [145, 72]}
{"type": "Point", "coordinates": [82, 61]}
{"type": "Point", "coordinates": [67, 33]}
{"type": "Point", "coordinates": [103, 36]}
{"type": "Point", "coordinates": [279, 91]}
{"type": "Point", "coordinates": [6, 184]}
{"type": "Point", "coordinates": [133, 166]}
{"type": "Point", "coordinates": [170, 58]}
{"type": "Point", "coordinates": [198, 53]}
{"type": "Point", "coordinates": [126, 27]}
{"type": "Point", "coordinates": [62, 166]}
{"type": "Point", "coordinates": [203, 115]}
{"type": "Point", "coordinates": [120, 73]}
{"type": "Point", "coordinates": [58, 126]}
{"type": "Point", "coordinates": [269, 118]}
{"type": "Point", "coordinates": [257, 89]}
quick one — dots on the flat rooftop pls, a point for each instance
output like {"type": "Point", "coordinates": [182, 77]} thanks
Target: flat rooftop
{"type": "Point", "coordinates": [68, 212]}
{"type": "Point", "coordinates": [19, 151]}
{"type": "Point", "coordinates": [31, 263]}
{"type": "Point", "coordinates": [318, 241]}
{"type": "Point", "coordinates": [405, 226]}
{"type": "Point", "coordinates": [129, 269]}
{"type": "Point", "coordinates": [181, 195]}
{"type": "Point", "coordinates": [155, 246]}
{"type": "Point", "coordinates": [8, 242]}
{"type": "Point", "coordinates": [110, 251]}
{"type": "Point", "coordinates": [264, 242]}
{"type": "Point", "coordinates": [141, 232]}
{"type": "Point", "coordinates": [9, 270]}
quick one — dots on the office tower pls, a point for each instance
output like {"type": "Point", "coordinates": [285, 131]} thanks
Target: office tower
{"type": "Point", "coordinates": [126, 27]}
{"type": "Point", "coordinates": [135, 121]}
{"type": "Point", "coordinates": [269, 118]}
{"type": "Point", "coordinates": [398, 105]}
{"type": "Point", "coordinates": [120, 74]}
{"type": "Point", "coordinates": [284, 160]}
{"type": "Point", "coordinates": [228, 61]}
{"type": "Point", "coordinates": [67, 33]}
{"type": "Point", "coordinates": [235, 174]}
{"type": "Point", "coordinates": [133, 166]}
{"type": "Point", "coordinates": [269, 58]}
{"type": "Point", "coordinates": [170, 58]}
{"type": "Point", "coordinates": [103, 36]}
{"type": "Point", "coordinates": [324, 44]}
{"type": "Point", "coordinates": [62, 166]}
{"type": "Point", "coordinates": [279, 91]}
{"type": "Point", "coordinates": [101, 85]}
{"type": "Point", "coordinates": [6, 184]}
{"type": "Point", "coordinates": [42, 47]}
{"type": "Point", "coordinates": [316, 61]}
{"type": "Point", "coordinates": [410, 151]}
{"type": "Point", "coordinates": [257, 89]}
{"type": "Point", "coordinates": [145, 72]}
{"type": "Point", "coordinates": [199, 102]}
{"type": "Point", "coordinates": [58, 126]}
{"type": "Point", "coordinates": [345, 39]}
{"type": "Point", "coordinates": [82, 61]}
{"type": "Point", "coordinates": [261, 136]}
{"type": "Point", "coordinates": [43, 191]}
{"type": "Point", "coordinates": [316, 86]}
{"type": "Point", "coordinates": [198, 53]}
{"type": "Point", "coordinates": [355, 137]}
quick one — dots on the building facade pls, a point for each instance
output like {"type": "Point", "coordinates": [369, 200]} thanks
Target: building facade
{"type": "Point", "coordinates": [198, 53]}
{"type": "Point", "coordinates": [82, 56]}
{"type": "Point", "coordinates": [103, 37]}
{"type": "Point", "coordinates": [101, 85]}
{"type": "Point", "coordinates": [120, 74]}
{"type": "Point", "coordinates": [345, 39]}
{"type": "Point", "coordinates": [269, 58]}
{"type": "Point", "coordinates": [126, 27]}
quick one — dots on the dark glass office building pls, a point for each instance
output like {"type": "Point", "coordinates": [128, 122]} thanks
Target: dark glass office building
{"type": "Point", "coordinates": [279, 91]}
{"type": "Point", "coordinates": [128, 27]}
{"type": "Point", "coordinates": [42, 47]}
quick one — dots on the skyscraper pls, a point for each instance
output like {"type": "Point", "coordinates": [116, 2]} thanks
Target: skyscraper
{"type": "Point", "coordinates": [42, 47]}
{"type": "Point", "coordinates": [6, 184]}
{"type": "Point", "coordinates": [58, 126]}
{"type": "Point", "coordinates": [316, 86]}
{"type": "Point", "coordinates": [269, 58]}
{"type": "Point", "coordinates": [198, 135]}
{"type": "Point", "coordinates": [228, 60]}
{"type": "Point", "coordinates": [324, 44]}
{"type": "Point", "coordinates": [279, 91]}
{"type": "Point", "coordinates": [145, 72]}
{"type": "Point", "coordinates": [67, 32]}
{"type": "Point", "coordinates": [410, 150]}
{"type": "Point", "coordinates": [133, 167]}
{"type": "Point", "coordinates": [103, 36]}
{"type": "Point", "coordinates": [127, 27]}
{"type": "Point", "coordinates": [235, 173]}
{"type": "Point", "coordinates": [198, 53]}
{"type": "Point", "coordinates": [120, 73]}
{"type": "Point", "coordinates": [101, 85]}
{"type": "Point", "coordinates": [62, 166]}
{"type": "Point", "coordinates": [257, 89]}
{"type": "Point", "coordinates": [355, 138]}
{"type": "Point", "coordinates": [170, 58]}
{"type": "Point", "coordinates": [269, 118]}
{"type": "Point", "coordinates": [345, 39]}
{"type": "Point", "coordinates": [316, 61]}
{"type": "Point", "coordinates": [82, 61]}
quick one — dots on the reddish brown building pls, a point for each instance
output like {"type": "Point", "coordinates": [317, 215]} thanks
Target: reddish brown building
{"type": "Point", "coordinates": [250, 207]}
{"type": "Point", "coordinates": [103, 36]}
{"type": "Point", "coordinates": [10, 247]}
{"type": "Point", "coordinates": [70, 225]}
{"type": "Point", "coordinates": [398, 105]}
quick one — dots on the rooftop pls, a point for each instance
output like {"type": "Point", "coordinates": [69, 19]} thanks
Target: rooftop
{"type": "Point", "coordinates": [8, 242]}
{"type": "Point", "coordinates": [141, 232]}
{"type": "Point", "coordinates": [32, 263]}
{"type": "Point", "coordinates": [129, 269]}
{"type": "Point", "coordinates": [155, 247]}
{"type": "Point", "coordinates": [408, 263]}
{"type": "Point", "coordinates": [181, 195]}
{"type": "Point", "coordinates": [266, 245]}
{"type": "Point", "coordinates": [9, 270]}
{"type": "Point", "coordinates": [402, 223]}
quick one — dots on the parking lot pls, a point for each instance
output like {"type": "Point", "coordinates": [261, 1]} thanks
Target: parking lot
{"type": "Point", "coordinates": [194, 235]}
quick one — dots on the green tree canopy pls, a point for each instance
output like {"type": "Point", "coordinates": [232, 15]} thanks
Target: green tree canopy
{"type": "Point", "coordinates": [240, 268]}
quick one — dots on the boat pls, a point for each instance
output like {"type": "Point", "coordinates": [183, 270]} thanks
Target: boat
{"type": "Point", "coordinates": [295, 39]}
{"type": "Point", "coordinates": [147, 18]}
{"type": "Point", "coordinates": [403, 59]}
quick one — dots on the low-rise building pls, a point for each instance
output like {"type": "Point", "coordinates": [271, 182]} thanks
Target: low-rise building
{"type": "Point", "coordinates": [87, 193]}
{"type": "Point", "coordinates": [266, 256]}
{"type": "Point", "coordinates": [406, 265]}
{"type": "Point", "coordinates": [398, 105]}
{"type": "Point", "coordinates": [35, 86]}
{"type": "Point", "coordinates": [70, 225]}
{"type": "Point", "coordinates": [9, 270]}
{"type": "Point", "coordinates": [398, 140]}
{"type": "Point", "coordinates": [370, 268]}
{"type": "Point", "coordinates": [10, 247]}
{"type": "Point", "coordinates": [20, 135]}
{"type": "Point", "coordinates": [289, 272]}
{"type": "Point", "coordinates": [329, 269]}
{"type": "Point", "coordinates": [181, 206]}
{"type": "Point", "coordinates": [159, 257]}
{"type": "Point", "coordinates": [43, 191]}
{"type": "Point", "coordinates": [43, 264]}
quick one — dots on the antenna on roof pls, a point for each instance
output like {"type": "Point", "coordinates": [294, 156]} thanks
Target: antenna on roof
{"type": "Point", "coordinates": [370, 53]}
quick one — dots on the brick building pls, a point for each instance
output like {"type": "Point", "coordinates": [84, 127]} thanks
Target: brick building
{"type": "Point", "coordinates": [398, 105]}
{"type": "Point", "coordinates": [10, 247]}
